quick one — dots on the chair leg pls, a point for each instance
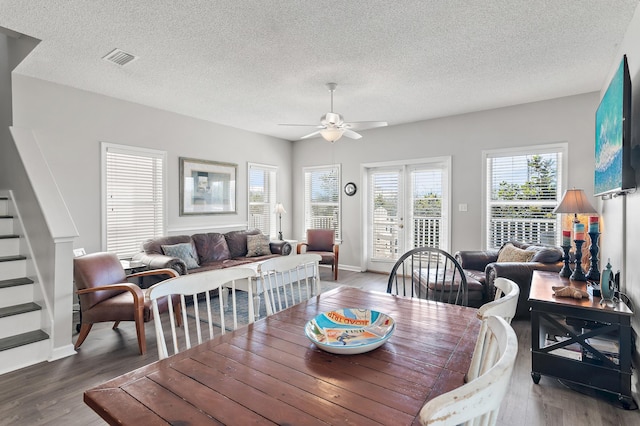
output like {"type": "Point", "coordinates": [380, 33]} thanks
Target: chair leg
{"type": "Point", "coordinates": [115, 325]}
{"type": "Point", "coordinates": [142, 341]}
{"type": "Point", "coordinates": [334, 268]}
{"type": "Point", "coordinates": [84, 331]}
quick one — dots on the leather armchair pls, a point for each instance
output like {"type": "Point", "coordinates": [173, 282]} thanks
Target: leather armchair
{"type": "Point", "coordinates": [106, 295]}
{"type": "Point", "coordinates": [484, 266]}
{"type": "Point", "coordinates": [322, 242]}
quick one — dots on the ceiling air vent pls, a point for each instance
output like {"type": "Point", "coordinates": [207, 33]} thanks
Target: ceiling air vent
{"type": "Point", "coordinates": [119, 57]}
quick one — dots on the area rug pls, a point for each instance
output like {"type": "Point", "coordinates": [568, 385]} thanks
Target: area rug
{"type": "Point", "coordinates": [242, 307]}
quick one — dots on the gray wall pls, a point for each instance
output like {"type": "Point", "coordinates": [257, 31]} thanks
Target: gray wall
{"type": "Point", "coordinates": [463, 137]}
{"type": "Point", "coordinates": [12, 52]}
{"type": "Point", "coordinates": [621, 227]}
{"type": "Point", "coordinates": [70, 124]}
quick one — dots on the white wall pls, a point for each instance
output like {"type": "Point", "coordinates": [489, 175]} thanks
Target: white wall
{"type": "Point", "coordinates": [70, 124]}
{"type": "Point", "coordinates": [464, 137]}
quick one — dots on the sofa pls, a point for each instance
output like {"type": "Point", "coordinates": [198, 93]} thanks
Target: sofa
{"type": "Point", "coordinates": [515, 261]}
{"type": "Point", "coordinates": [188, 254]}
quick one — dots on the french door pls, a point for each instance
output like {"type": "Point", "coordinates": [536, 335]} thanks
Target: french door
{"type": "Point", "coordinates": [407, 207]}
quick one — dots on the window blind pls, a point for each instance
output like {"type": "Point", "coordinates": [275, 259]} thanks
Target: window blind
{"type": "Point", "coordinates": [262, 198]}
{"type": "Point", "coordinates": [384, 193]}
{"type": "Point", "coordinates": [134, 198]}
{"type": "Point", "coordinates": [522, 191]}
{"type": "Point", "coordinates": [322, 199]}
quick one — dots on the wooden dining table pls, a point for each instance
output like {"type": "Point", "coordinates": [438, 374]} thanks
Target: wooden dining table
{"type": "Point", "coordinates": [270, 373]}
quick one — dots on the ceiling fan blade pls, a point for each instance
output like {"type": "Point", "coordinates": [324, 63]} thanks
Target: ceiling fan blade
{"type": "Point", "coordinates": [301, 125]}
{"type": "Point", "coordinates": [351, 134]}
{"type": "Point", "coordinates": [363, 125]}
{"type": "Point", "coordinates": [310, 135]}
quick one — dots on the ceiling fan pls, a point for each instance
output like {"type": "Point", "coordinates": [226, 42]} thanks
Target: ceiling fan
{"type": "Point", "coordinates": [332, 127]}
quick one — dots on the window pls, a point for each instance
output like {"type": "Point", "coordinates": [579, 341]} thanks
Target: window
{"type": "Point", "coordinates": [522, 189]}
{"type": "Point", "coordinates": [322, 199]}
{"type": "Point", "coordinates": [262, 198]}
{"type": "Point", "coordinates": [133, 194]}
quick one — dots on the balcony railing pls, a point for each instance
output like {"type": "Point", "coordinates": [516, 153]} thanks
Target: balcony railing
{"type": "Point", "coordinates": [322, 222]}
{"type": "Point", "coordinates": [426, 233]}
{"type": "Point", "coordinates": [541, 231]}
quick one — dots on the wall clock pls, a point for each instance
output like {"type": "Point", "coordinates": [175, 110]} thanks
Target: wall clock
{"type": "Point", "coordinates": [350, 189]}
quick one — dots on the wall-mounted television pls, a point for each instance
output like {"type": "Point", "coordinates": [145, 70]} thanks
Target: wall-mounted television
{"type": "Point", "coordinates": [613, 171]}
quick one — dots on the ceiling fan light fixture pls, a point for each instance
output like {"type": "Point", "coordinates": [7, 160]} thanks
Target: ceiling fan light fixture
{"type": "Point", "coordinates": [331, 134]}
{"type": "Point", "coordinates": [331, 119]}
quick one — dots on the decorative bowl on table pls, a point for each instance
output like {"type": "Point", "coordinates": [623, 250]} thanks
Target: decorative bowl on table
{"type": "Point", "coordinates": [350, 331]}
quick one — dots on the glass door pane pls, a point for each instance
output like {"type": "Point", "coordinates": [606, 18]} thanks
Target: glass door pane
{"type": "Point", "coordinates": [386, 217]}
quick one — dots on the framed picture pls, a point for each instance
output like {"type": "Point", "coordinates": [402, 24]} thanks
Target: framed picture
{"type": "Point", "coordinates": [207, 187]}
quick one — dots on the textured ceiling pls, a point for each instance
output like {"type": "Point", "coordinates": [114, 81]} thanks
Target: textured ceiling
{"type": "Point", "coordinates": [254, 64]}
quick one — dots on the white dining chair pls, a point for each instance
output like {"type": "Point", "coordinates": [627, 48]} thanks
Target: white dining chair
{"type": "Point", "coordinates": [196, 294]}
{"type": "Point", "coordinates": [505, 302]}
{"type": "Point", "coordinates": [504, 306]}
{"type": "Point", "coordinates": [288, 280]}
{"type": "Point", "coordinates": [478, 401]}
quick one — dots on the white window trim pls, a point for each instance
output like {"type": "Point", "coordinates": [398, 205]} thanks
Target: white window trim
{"type": "Point", "coordinates": [274, 228]}
{"type": "Point", "coordinates": [562, 147]}
{"type": "Point", "coordinates": [107, 146]}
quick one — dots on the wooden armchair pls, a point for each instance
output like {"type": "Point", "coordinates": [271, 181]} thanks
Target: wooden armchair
{"type": "Point", "coordinates": [105, 295]}
{"type": "Point", "coordinates": [322, 242]}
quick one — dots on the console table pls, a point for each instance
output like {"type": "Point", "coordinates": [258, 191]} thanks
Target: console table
{"type": "Point", "coordinates": [580, 341]}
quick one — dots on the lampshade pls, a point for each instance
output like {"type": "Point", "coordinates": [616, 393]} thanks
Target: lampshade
{"type": "Point", "coordinates": [574, 201]}
{"type": "Point", "coordinates": [331, 134]}
{"type": "Point", "coordinates": [279, 209]}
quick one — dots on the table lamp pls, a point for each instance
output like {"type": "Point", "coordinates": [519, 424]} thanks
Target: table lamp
{"type": "Point", "coordinates": [279, 210]}
{"type": "Point", "coordinates": [574, 201]}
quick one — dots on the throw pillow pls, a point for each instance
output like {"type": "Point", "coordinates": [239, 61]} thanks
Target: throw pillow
{"type": "Point", "coordinates": [183, 251]}
{"type": "Point", "coordinates": [511, 253]}
{"type": "Point", "coordinates": [258, 245]}
{"type": "Point", "coordinates": [546, 254]}
{"type": "Point", "coordinates": [237, 242]}
{"type": "Point", "coordinates": [211, 247]}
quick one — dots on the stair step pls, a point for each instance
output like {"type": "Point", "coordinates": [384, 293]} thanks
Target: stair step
{"type": "Point", "coordinates": [12, 258]}
{"type": "Point", "coordinates": [22, 339]}
{"type": "Point", "coordinates": [15, 282]}
{"type": "Point", "coordinates": [19, 309]}
{"type": "Point", "coordinates": [13, 266]}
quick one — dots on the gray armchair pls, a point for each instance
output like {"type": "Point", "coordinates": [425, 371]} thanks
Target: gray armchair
{"type": "Point", "coordinates": [486, 266]}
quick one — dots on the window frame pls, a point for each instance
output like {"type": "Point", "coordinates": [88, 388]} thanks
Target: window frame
{"type": "Point", "coordinates": [105, 148]}
{"type": "Point", "coordinates": [306, 222]}
{"type": "Point", "coordinates": [273, 190]}
{"type": "Point", "coordinates": [561, 178]}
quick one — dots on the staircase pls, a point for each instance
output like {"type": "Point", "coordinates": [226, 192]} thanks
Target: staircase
{"type": "Point", "coordinates": [22, 341]}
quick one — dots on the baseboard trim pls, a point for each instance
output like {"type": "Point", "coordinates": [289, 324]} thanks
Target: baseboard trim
{"type": "Point", "coordinates": [62, 352]}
